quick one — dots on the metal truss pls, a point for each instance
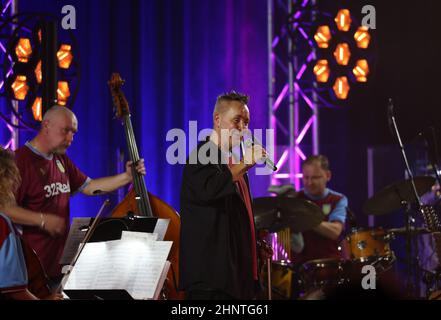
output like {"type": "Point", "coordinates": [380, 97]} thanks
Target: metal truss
{"type": "Point", "coordinates": [293, 101]}
{"type": "Point", "coordinates": [8, 9]}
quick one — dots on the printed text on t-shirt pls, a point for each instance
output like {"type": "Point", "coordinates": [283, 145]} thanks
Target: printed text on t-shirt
{"type": "Point", "coordinates": [55, 189]}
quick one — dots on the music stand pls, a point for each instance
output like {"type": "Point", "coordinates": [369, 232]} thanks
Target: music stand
{"type": "Point", "coordinates": [112, 228]}
{"type": "Point", "coordinates": [118, 294]}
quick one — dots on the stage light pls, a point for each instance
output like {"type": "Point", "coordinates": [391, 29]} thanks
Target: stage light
{"type": "Point", "coordinates": [343, 20]}
{"type": "Point", "coordinates": [38, 74]}
{"type": "Point", "coordinates": [323, 36]}
{"type": "Point", "coordinates": [341, 88]}
{"type": "Point", "coordinates": [361, 70]}
{"type": "Point", "coordinates": [20, 87]}
{"type": "Point", "coordinates": [37, 109]}
{"type": "Point", "coordinates": [362, 37]}
{"type": "Point", "coordinates": [342, 54]}
{"type": "Point", "coordinates": [64, 56]}
{"type": "Point", "coordinates": [23, 50]}
{"type": "Point", "coordinates": [322, 71]}
{"type": "Point", "coordinates": [63, 92]}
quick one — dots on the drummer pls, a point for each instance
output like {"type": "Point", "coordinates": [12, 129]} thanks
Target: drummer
{"type": "Point", "coordinates": [322, 241]}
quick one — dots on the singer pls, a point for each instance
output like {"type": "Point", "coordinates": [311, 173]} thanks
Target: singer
{"type": "Point", "coordinates": [218, 247]}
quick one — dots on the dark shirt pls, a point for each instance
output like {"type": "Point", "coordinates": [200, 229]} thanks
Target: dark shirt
{"type": "Point", "coordinates": [216, 236]}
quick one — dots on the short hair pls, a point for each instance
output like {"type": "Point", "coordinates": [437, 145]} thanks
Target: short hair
{"type": "Point", "coordinates": [233, 96]}
{"type": "Point", "coordinates": [229, 97]}
{"type": "Point", "coordinates": [320, 159]}
{"type": "Point", "coordinates": [55, 110]}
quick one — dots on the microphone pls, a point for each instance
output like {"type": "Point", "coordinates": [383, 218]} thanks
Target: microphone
{"type": "Point", "coordinates": [251, 141]}
{"type": "Point", "coordinates": [391, 117]}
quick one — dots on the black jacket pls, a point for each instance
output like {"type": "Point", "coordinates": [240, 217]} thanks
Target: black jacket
{"type": "Point", "coordinates": [215, 242]}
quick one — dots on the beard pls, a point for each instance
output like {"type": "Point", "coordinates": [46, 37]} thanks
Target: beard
{"type": "Point", "coordinates": [60, 149]}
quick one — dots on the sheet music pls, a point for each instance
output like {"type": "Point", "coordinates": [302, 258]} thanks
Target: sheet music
{"type": "Point", "coordinates": [162, 279]}
{"type": "Point", "coordinates": [139, 235]}
{"type": "Point", "coordinates": [161, 228]}
{"type": "Point", "coordinates": [75, 237]}
{"type": "Point", "coordinates": [131, 264]}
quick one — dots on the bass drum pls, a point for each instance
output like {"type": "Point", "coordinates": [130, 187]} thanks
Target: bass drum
{"type": "Point", "coordinates": [320, 273]}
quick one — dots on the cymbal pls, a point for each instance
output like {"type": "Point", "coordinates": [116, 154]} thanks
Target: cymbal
{"type": "Point", "coordinates": [413, 230]}
{"type": "Point", "coordinates": [390, 198]}
{"type": "Point", "coordinates": [277, 213]}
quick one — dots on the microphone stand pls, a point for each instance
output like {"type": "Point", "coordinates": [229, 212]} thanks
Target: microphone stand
{"type": "Point", "coordinates": [406, 204]}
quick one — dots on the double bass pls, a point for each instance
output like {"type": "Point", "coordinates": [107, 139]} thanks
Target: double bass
{"type": "Point", "coordinates": [139, 200]}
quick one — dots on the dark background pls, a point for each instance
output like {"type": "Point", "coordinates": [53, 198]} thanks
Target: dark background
{"type": "Point", "coordinates": [177, 56]}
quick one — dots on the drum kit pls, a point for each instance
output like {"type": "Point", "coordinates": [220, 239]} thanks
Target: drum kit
{"type": "Point", "coordinates": [365, 246]}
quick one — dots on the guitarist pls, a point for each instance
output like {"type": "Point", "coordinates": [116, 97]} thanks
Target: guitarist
{"type": "Point", "coordinates": [48, 180]}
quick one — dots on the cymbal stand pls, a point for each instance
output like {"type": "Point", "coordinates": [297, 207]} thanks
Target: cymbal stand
{"type": "Point", "coordinates": [407, 205]}
{"type": "Point", "coordinates": [432, 152]}
{"type": "Point", "coordinates": [410, 288]}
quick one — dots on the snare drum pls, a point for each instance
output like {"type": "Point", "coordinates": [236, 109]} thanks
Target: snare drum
{"type": "Point", "coordinates": [368, 245]}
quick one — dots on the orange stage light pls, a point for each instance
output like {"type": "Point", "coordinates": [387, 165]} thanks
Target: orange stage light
{"type": "Point", "coordinates": [323, 36]}
{"type": "Point", "coordinates": [38, 74]}
{"type": "Point", "coordinates": [362, 37]}
{"type": "Point", "coordinates": [361, 70]}
{"type": "Point", "coordinates": [37, 109]}
{"type": "Point", "coordinates": [65, 56]}
{"type": "Point", "coordinates": [341, 88]}
{"type": "Point", "coordinates": [20, 87]}
{"type": "Point", "coordinates": [322, 71]}
{"type": "Point", "coordinates": [343, 20]}
{"type": "Point", "coordinates": [63, 92]}
{"type": "Point", "coordinates": [342, 54]}
{"type": "Point", "coordinates": [23, 49]}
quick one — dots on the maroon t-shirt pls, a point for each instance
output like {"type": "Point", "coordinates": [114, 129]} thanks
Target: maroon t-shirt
{"type": "Point", "coordinates": [47, 185]}
{"type": "Point", "coordinates": [315, 245]}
